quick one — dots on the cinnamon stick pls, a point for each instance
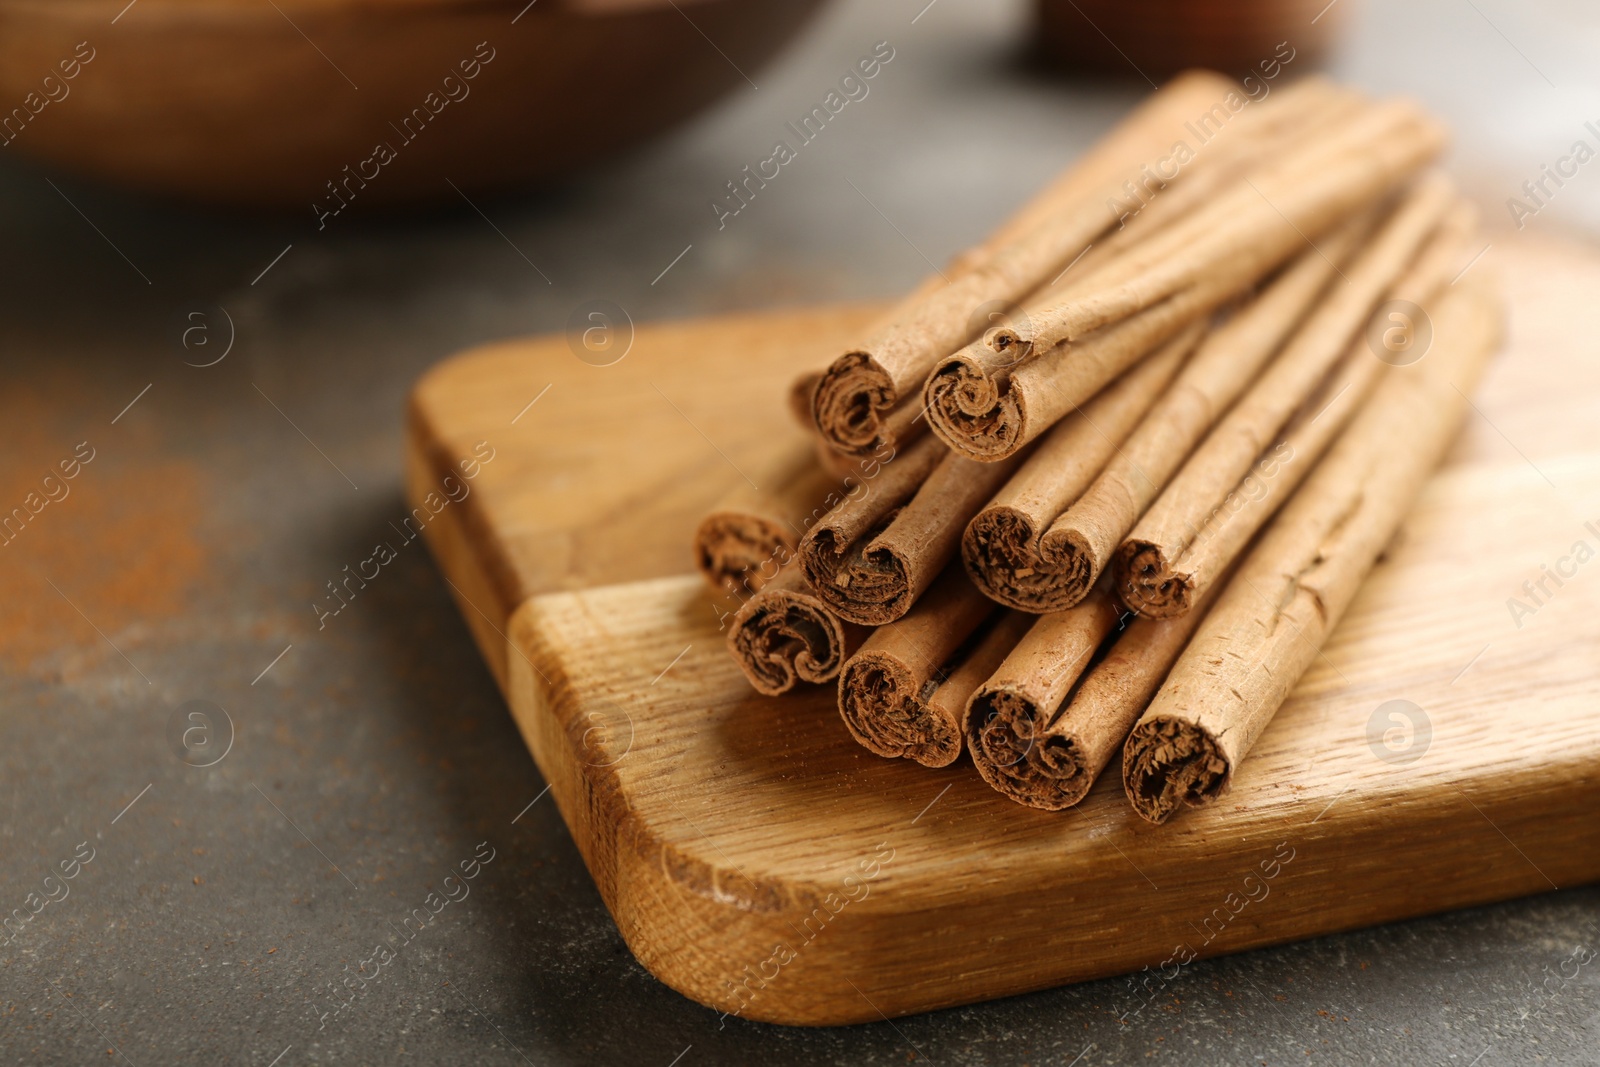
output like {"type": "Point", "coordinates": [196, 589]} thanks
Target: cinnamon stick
{"type": "Point", "coordinates": [1007, 716]}
{"type": "Point", "coordinates": [785, 634]}
{"type": "Point", "coordinates": [1290, 592]}
{"type": "Point", "coordinates": [971, 398]}
{"type": "Point", "coordinates": [1280, 470]}
{"type": "Point", "coordinates": [1004, 547]}
{"type": "Point", "coordinates": [904, 427]}
{"type": "Point", "coordinates": [1287, 122]}
{"type": "Point", "coordinates": [1260, 221]}
{"type": "Point", "coordinates": [994, 396]}
{"type": "Point", "coordinates": [1072, 542]}
{"type": "Point", "coordinates": [1149, 565]}
{"type": "Point", "coordinates": [870, 560]}
{"type": "Point", "coordinates": [755, 530]}
{"type": "Point", "coordinates": [902, 694]}
{"type": "Point", "coordinates": [1071, 746]}
{"type": "Point", "coordinates": [873, 378]}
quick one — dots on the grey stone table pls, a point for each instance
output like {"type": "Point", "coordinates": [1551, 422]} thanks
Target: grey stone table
{"type": "Point", "coordinates": [353, 766]}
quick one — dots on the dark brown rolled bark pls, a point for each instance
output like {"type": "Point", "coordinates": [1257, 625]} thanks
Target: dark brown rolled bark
{"type": "Point", "coordinates": [1072, 745]}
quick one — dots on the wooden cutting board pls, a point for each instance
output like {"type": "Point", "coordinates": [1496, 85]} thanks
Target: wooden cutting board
{"type": "Point", "coordinates": [759, 861]}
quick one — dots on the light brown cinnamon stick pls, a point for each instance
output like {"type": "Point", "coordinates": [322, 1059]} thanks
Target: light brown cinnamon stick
{"type": "Point", "coordinates": [1001, 545]}
{"type": "Point", "coordinates": [1071, 554]}
{"type": "Point", "coordinates": [755, 530]}
{"type": "Point", "coordinates": [874, 377]}
{"type": "Point", "coordinates": [972, 402]}
{"type": "Point", "coordinates": [871, 504]}
{"type": "Point", "coordinates": [785, 634]}
{"type": "Point", "coordinates": [1259, 222]}
{"type": "Point", "coordinates": [1286, 123]}
{"type": "Point", "coordinates": [903, 693]}
{"type": "Point", "coordinates": [1290, 592]}
{"type": "Point", "coordinates": [1107, 163]}
{"type": "Point", "coordinates": [870, 562]}
{"type": "Point", "coordinates": [1150, 568]}
{"type": "Point", "coordinates": [1051, 762]}
{"type": "Point", "coordinates": [994, 396]}
{"type": "Point", "coordinates": [1008, 715]}
{"type": "Point", "coordinates": [1280, 470]}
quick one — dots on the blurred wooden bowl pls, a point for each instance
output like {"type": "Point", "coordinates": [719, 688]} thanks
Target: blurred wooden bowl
{"type": "Point", "coordinates": [1157, 38]}
{"type": "Point", "coordinates": [264, 103]}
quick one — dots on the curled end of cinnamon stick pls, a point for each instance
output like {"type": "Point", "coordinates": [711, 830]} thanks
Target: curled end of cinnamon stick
{"type": "Point", "coordinates": [1149, 584]}
{"type": "Point", "coordinates": [864, 584]}
{"type": "Point", "coordinates": [1170, 762]}
{"type": "Point", "coordinates": [1006, 558]}
{"type": "Point", "coordinates": [851, 403]}
{"type": "Point", "coordinates": [782, 637]}
{"type": "Point", "coordinates": [1019, 757]}
{"type": "Point", "coordinates": [739, 552]}
{"type": "Point", "coordinates": [969, 405]}
{"type": "Point", "coordinates": [880, 704]}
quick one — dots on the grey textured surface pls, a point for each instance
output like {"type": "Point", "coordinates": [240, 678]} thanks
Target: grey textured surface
{"type": "Point", "coordinates": [375, 755]}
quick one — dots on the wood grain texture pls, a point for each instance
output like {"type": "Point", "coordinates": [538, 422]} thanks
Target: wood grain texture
{"type": "Point", "coordinates": [732, 835]}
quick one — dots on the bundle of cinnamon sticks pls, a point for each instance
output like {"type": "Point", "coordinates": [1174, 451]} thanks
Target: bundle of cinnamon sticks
{"type": "Point", "coordinates": [1107, 483]}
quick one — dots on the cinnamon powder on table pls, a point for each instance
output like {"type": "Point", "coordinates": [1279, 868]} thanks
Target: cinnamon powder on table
{"type": "Point", "coordinates": [118, 538]}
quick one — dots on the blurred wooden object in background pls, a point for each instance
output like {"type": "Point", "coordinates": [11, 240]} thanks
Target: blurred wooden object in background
{"type": "Point", "coordinates": [286, 104]}
{"type": "Point", "coordinates": [1155, 38]}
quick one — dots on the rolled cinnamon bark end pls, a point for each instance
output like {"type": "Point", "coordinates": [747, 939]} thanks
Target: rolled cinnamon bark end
{"type": "Point", "coordinates": [874, 577]}
{"type": "Point", "coordinates": [878, 701]}
{"type": "Point", "coordinates": [1171, 762]}
{"type": "Point", "coordinates": [996, 396]}
{"type": "Point", "coordinates": [1149, 584]}
{"type": "Point", "coordinates": [851, 402]}
{"type": "Point", "coordinates": [864, 583]}
{"type": "Point", "coordinates": [753, 533]}
{"type": "Point", "coordinates": [1021, 761]}
{"type": "Point", "coordinates": [898, 693]}
{"type": "Point", "coordinates": [1008, 718]}
{"type": "Point", "coordinates": [1053, 767]}
{"type": "Point", "coordinates": [949, 701]}
{"type": "Point", "coordinates": [844, 533]}
{"type": "Point", "coordinates": [733, 548]}
{"type": "Point", "coordinates": [1013, 549]}
{"type": "Point", "coordinates": [1008, 559]}
{"type": "Point", "coordinates": [785, 635]}
{"type": "Point", "coordinates": [970, 404]}
{"type": "Point", "coordinates": [1080, 553]}
{"type": "Point", "coordinates": [1095, 722]}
